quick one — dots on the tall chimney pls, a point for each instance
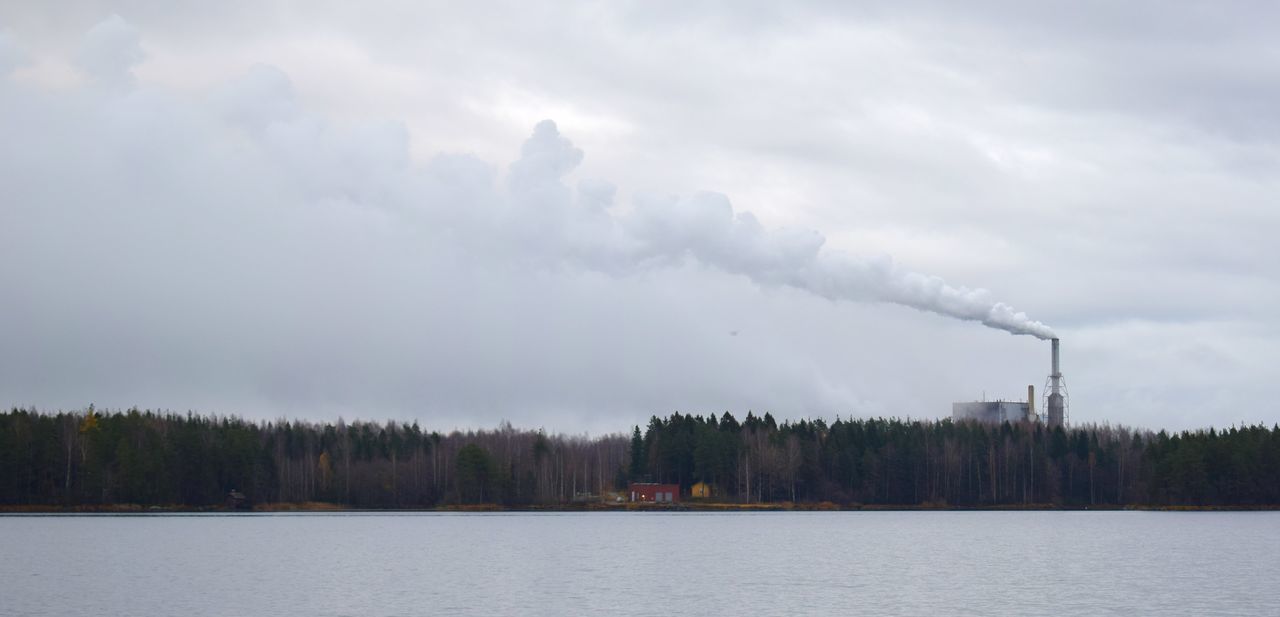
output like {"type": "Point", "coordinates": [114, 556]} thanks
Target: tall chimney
{"type": "Point", "coordinates": [1031, 403]}
{"type": "Point", "coordinates": [1057, 402]}
{"type": "Point", "coordinates": [1057, 372]}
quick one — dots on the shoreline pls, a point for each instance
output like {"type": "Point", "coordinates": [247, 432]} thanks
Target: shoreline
{"type": "Point", "coordinates": [316, 507]}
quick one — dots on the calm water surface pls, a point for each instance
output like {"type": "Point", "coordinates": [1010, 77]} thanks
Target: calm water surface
{"type": "Point", "coordinates": [804, 563]}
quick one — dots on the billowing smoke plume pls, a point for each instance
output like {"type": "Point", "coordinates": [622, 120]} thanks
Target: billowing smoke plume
{"type": "Point", "coordinates": [538, 213]}
{"type": "Point", "coordinates": [705, 227]}
{"type": "Point", "coordinates": [232, 249]}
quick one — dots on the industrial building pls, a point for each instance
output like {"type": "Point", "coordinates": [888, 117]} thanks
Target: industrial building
{"type": "Point", "coordinates": [991, 411]}
{"type": "Point", "coordinates": [995, 412]}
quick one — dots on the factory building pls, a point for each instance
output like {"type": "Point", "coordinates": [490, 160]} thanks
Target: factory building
{"type": "Point", "coordinates": [995, 412]}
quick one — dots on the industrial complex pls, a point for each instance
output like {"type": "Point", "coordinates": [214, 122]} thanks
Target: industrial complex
{"type": "Point", "coordinates": [1055, 402]}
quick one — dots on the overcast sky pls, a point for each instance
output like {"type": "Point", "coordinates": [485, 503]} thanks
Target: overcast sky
{"type": "Point", "coordinates": [324, 209]}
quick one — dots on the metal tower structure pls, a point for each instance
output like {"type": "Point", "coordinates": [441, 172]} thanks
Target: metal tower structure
{"type": "Point", "coordinates": [1056, 402]}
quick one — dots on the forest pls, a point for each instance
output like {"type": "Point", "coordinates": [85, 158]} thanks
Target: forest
{"type": "Point", "coordinates": [145, 458]}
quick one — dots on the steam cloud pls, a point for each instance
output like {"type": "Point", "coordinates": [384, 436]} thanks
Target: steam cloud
{"type": "Point", "coordinates": [455, 197]}
{"type": "Point", "coordinates": [243, 251]}
{"type": "Point", "coordinates": [705, 227]}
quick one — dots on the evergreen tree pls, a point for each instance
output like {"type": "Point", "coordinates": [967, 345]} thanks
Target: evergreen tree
{"type": "Point", "coordinates": [639, 456]}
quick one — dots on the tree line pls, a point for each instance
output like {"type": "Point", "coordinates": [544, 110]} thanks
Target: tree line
{"type": "Point", "coordinates": [965, 463]}
{"type": "Point", "coordinates": [153, 458]}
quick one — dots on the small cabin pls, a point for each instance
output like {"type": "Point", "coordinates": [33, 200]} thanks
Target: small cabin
{"type": "Point", "coordinates": [649, 492]}
{"type": "Point", "coordinates": [701, 490]}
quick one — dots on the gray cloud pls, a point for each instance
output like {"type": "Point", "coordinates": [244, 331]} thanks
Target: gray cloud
{"type": "Point", "coordinates": [10, 55]}
{"type": "Point", "coordinates": [238, 237]}
{"type": "Point", "coordinates": [109, 51]}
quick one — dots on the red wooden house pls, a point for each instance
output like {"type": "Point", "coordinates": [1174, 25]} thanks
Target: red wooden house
{"type": "Point", "coordinates": [655, 493]}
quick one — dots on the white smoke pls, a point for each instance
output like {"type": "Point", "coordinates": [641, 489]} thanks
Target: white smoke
{"type": "Point", "coordinates": [239, 247]}
{"type": "Point", "coordinates": [705, 227]}
{"type": "Point", "coordinates": [538, 213]}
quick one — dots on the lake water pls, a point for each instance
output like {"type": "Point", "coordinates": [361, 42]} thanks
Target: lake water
{"type": "Point", "coordinates": [774, 563]}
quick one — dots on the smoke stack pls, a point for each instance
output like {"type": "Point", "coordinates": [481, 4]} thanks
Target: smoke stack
{"type": "Point", "coordinates": [1031, 402]}
{"type": "Point", "coordinates": [1057, 400]}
